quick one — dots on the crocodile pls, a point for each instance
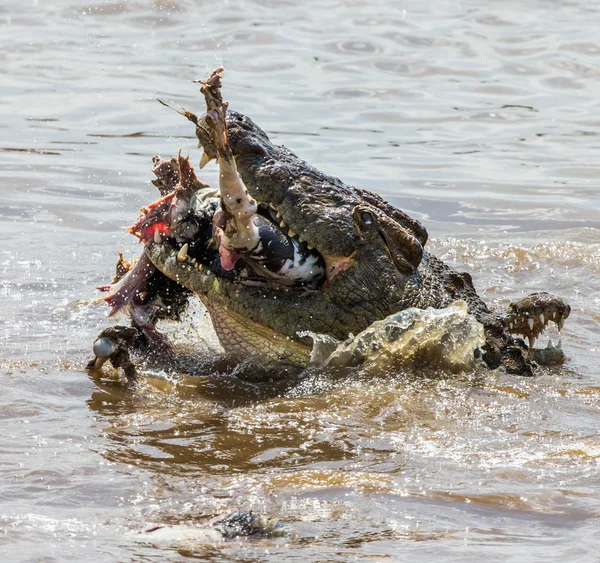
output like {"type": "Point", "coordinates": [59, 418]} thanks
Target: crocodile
{"type": "Point", "coordinates": [368, 258]}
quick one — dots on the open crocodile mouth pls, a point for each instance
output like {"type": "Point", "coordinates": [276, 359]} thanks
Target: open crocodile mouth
{"type": "Point", "coordinates": [280, 248]}
{"type": "Point", "coordinates": [181, 255]}
{"type": "Point", "coordinates": [185, 224]}
{"type": "Point", "coordinates": [530, 317]}
{"type": "Point", "coordinates": [201, 254]}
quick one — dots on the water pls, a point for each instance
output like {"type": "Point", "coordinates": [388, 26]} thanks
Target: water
{"type": "Point", "coordinates": [479, 118]}
{"type": "Point", "coordinates": [444, 339]}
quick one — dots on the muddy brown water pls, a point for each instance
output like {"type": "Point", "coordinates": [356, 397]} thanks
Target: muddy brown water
{"type": "Point", "coordinates": [479, 118]}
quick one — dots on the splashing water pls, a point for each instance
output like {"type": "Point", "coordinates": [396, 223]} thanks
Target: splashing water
{"type": "Point", "coordinates": [441, 338]}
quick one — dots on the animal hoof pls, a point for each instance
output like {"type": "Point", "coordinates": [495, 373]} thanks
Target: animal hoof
{"type": "Point", "coordinates": [104, 348]}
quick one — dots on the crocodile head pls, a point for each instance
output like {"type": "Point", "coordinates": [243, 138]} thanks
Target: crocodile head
{"type": "Point", "coordinates": [287, 251]}
{"type": "Point", "coordinates": [370, 249]}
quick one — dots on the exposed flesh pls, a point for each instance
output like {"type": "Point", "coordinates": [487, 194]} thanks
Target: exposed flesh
{"type": "Point", "coordinates": [374, 252]}
{"type": "Point", "coordinates": [237, 231]}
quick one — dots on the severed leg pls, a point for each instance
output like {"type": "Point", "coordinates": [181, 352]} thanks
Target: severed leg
{"type": "Point", "coordinates": [146, 295]}
{"type": "Point", "coordinates": [235, 225]}
{"type": "Point", "coordinates": [114, 344]}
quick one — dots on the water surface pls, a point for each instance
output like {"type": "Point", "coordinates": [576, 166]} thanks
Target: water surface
{"type": "Point", "coordinates": [478, 118]}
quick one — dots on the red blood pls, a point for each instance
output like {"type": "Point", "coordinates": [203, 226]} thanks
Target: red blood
{"type": "Point", "coordinates": [155, 212]}
{"type": "Point", "coordinates": [162, 228]}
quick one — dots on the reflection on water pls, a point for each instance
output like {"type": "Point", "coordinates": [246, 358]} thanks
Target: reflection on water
{"type": "Point", "coordinates": [479, 119]}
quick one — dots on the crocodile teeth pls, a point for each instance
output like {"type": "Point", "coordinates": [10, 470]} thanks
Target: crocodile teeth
{"type": "Point", "coordinates": [542, 319]}
{"type": "Point", "coordinates": [291, 233]}
{"type": "Point", "coordinates": [200, 267]}
{"type": "Point", "coordinates": [300, 239]}
{"type": "Point", "coordinates": [530, 323]}
{"type": "Point", "coordinates": [550, 345]}
{"type": "Point", "coordinates": [183, 253]}
{"type": "Point", "coordinates": [531, 341]}
{"type": "Point", "coordinates": [560, 323]}
{"type": "Point", "coordinates": [510, 325]}
{"type": "Point", "coordinates": [310, 246]}
{"type": "Point", "coordinates": [559, 345]}
{"type": "Point", "coordinates": [157, 237]}
{"type": "Point", "coordinates": [282, 225]}
{"type": "Point", "coordinates": [278, 215]}
{"type": "Point", "coordinates": [204, 160]}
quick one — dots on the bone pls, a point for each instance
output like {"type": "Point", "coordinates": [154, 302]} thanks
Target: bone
{"type": "Point", "coordinates": [240, 232]}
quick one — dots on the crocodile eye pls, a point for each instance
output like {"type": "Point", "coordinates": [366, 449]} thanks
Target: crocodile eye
{"type": "Point", "coordinates": [366, 218]}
